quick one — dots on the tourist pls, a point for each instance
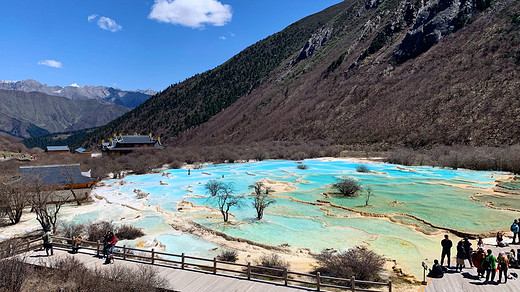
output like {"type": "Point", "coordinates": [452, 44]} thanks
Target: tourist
{"type": "Point", "coordinates": [436, 271]}
{"type": "Point", "coordinates": [110, 244]}
{"type": "Point", "coordinates": [513, 262]}
{"type": "Point", "coordinates": [490, 265]}
{"type": "Point", "coordinates": [468, 250]}
{"type": "Point", "coordinates": [76, 244]}
{"type": "Point", "coordinates": [502, 263]}
{"type": "Point", "coordinates": [446, 249]}
{"type": "Point", "coordinates": [461, 255]}
{"type": "Point", "coordinates": [500, 239]}
{"type": "Point", "coordinates": [515, 229]}
{"type": "Point", "coordinates": [477, 258]}
{"type": "Point", "coordinates": [480, 243]}
{"type": "Point", "coordinates": [47, 241]}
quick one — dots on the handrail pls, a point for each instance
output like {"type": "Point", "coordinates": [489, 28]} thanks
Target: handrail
{"type": "Point", "coordinates": [259, 271]}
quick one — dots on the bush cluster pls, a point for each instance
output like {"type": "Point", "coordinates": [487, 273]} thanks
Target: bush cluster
{"type": "Point", "coordinates": [358, 262]}
{"type": "Point", "coordinates": [95, 231]}
{"type": "Point", "coordinates": [69, 274]}
{"type": "Point", "coordinates": [228, 256]}
{"type": "Point", "coordinates": [476, 158]}
{"type": "Point", "coordinates": [271, 261]}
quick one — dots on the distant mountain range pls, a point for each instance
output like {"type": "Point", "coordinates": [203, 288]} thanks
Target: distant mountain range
{"type": "Point", "coordinates": [393, 72]}
{"type": "Point", "coordinates": [103, 94]}
{"type": "Point", "coordinates": [31, 114]}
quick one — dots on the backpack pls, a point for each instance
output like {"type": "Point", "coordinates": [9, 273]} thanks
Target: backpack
{"type": "Point", "coordinates": [513, 227]}
{"type": "Point", "coordinates": [485, 264]}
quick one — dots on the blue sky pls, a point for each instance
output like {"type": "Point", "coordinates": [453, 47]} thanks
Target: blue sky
{"type": "Point", "coordinates": [134, 44]}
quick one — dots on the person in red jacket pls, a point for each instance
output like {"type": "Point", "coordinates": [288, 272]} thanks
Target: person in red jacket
{"type": "Point", "coordinates": [110, 241]}
{"type": "Point", "coordinates": [477, 258]}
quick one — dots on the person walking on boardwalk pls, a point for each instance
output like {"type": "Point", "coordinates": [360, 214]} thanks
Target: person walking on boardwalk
{"type": "Point", "coordinates": [111, 243]}
{"type": "Point", "coordinates": [461, 255]}
{"type": "Point", "coordinates": [503, 263]}
{"type": "Point", "coordinates": [490, 265]}
{"type": "Point", "coordinates": [47, 241]}
{"type": "Point", "coordinates": [446, 249]}
{"type": "Point", "coordinates": [515, 228]}
{"type": "Point", "coordinates": [468, 250]}
{"type": "Point", "coordinates": [477, 258]}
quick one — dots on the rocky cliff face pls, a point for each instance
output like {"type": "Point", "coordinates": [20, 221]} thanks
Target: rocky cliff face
{"type": "Point", "coordinates": [435, 20]}
{"type": "Point", "coordinates": [103, 94]}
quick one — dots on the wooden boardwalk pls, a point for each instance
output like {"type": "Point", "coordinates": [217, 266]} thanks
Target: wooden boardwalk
{"type": "Point", "coordinates": [177, 279]}
{"type": "Point", "coordinates": [467, 280]}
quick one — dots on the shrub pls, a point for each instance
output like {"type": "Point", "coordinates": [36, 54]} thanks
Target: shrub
{"type": "Point", "coordinates": [362, 168]}
{"type": "Point", "coordinates": [12, 274]}
{"type": "Point", "coordinates": [71, 229]}
{"type": "Point", "coordinates": [347, 186]}
{"type": "Point", "coordinates": [128, 231]}
{"type": "Point", "coordinates": [302, 166]}
{"type": "Point", "coordinates": [271, 261]}
{"type": "Point", "coordinates": [228, 256]}
{"type": "Point", "coordinates": [358, 262]}
{"type": "Point", "coordinates": [96, 231]}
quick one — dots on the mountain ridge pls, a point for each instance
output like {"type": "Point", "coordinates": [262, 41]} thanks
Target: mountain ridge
{"type": "Point", "coordinates": [30, 114]}
{"type": "Point", "coordinates": [104, 94]}
{"type": "Point", "coordinates": [410, 73]}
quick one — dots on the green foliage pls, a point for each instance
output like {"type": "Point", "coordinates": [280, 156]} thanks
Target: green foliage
{"type": "Point", "coordinates": [70, 138]}
{"type": "Point", "coordinates": [484, 4]}
{"type": "Point", "coordinates": [334, 65]}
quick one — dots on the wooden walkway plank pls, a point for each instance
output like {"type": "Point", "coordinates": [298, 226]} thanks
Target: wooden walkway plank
{"type": "Point", "coordinates": [177, 279]}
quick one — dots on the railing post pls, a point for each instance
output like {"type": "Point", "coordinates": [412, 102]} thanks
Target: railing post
{"type": "Point", "coordinates": [214, 265]}
{"type": "Point", "coordinates": [353, 284]}
{"type": "Point", "coordinates": [318, 281]}
{"type": "Point", "coordinates": [97, 248]}
{"type": "Point", "coordinates": [124, 252]}
{"type": "Point", "coordinates": [390, 286]}
{"type": "Point", "coordinates": [153, 256]}
{"type": "Point", "coordinates": [285, 276]}
{"type": "Point", "coordinates": [249, 271]}
{"type": "Point", "coordinates": [182, 261]}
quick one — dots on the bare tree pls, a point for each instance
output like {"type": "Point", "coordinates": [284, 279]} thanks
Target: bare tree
{"type": "Point", "coordinates": [45, 203]}
{"type": "Point", "coordinates": [368, 194]}
{"type": "Point", "coordinates": [213, 186]}
{"type": "Point", "coordinates": [13, 200]}
{"type": "Point", "coordinates": [70, 180]}
{"type": "Point", "coordinates": [261, 200]}
{"type": "Point", "coordinates": [223, 194]}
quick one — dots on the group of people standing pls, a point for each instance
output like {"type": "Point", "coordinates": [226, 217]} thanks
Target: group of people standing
{"type": "Point", "coordinates": [483, 260]}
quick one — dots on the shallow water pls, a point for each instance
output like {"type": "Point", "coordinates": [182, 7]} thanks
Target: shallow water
{"type": "Point", "coordinates": [441, 197]}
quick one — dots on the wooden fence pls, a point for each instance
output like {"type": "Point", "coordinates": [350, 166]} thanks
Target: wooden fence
{"type": "Point", "coordinates": [215, 266]}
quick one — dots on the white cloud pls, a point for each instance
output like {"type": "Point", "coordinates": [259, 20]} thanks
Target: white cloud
{"type": "Point", "coordinates": [108, 24]}
{"type": "Point", "coordinates": [50, 63]}
{"type": "Point", "coordinates": [191, 13]}
{"type": "Point", "coordinates": [92, 17]}
{"type": "Point", "coordinates": [222, 37]}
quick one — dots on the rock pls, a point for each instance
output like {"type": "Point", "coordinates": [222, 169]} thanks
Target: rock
{"type": "Point", "coordinates": [369, 4]}
{"type": "Point", "coordinates": [315, 42]}
{"type": "Point", "coordinates": [434, 21]}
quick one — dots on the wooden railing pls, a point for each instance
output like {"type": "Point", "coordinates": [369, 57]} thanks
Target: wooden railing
{"type": "Point", "coordinates": [280, 276]}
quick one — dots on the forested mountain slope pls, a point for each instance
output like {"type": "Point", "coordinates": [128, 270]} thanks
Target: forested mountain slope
{"type": "Point", "coordinates": [405, 72]}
